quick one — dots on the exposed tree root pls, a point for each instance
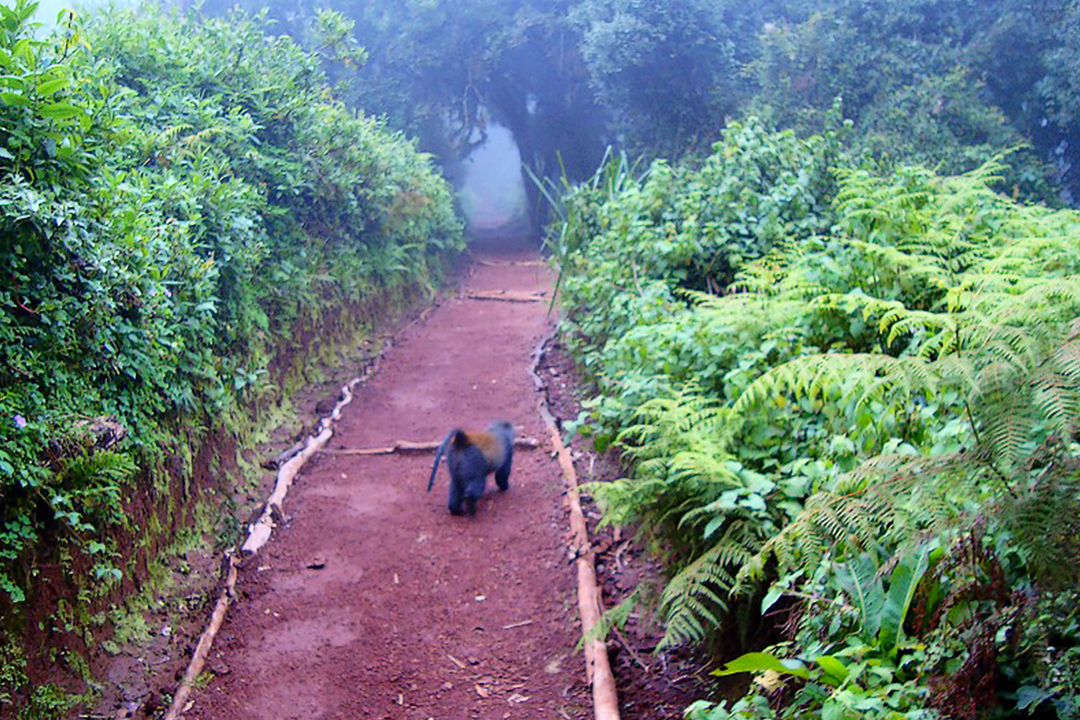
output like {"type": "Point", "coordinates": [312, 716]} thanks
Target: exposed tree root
{"type": "Point", "coordinates": [516, 263]}
{"type": "Point", "coordinates": [597, 667]}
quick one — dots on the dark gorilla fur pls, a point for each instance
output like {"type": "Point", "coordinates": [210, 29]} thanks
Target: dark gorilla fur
{"type": "Point", "coordinates": [471, 457]}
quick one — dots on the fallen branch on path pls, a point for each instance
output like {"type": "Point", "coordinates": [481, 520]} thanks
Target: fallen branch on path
{"type": "Point", "coordinates": [506, 297]}
{"type": "Point", "coordinates": [597, 666]}
{"type": "Point", "coordinates": [403, 447]}
{"type": "Point", "coordinates": [630, 648]}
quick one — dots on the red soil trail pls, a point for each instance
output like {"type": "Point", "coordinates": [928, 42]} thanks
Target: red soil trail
{"type": "Point", "coordinates": [408, 618]}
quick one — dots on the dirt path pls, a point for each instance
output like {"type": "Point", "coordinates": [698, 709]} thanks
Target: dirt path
{"type": "Point", "coordinates": [409, 616]}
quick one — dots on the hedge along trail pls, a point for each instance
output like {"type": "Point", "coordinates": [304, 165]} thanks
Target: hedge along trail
{"type": "Point", "coordinates": [411, 610]}
{"type": "Point", "coordinates": [168, 230]}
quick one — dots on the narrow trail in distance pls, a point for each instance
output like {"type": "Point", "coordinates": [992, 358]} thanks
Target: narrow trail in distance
{"type": "Point", "coordinates": [408, 618]}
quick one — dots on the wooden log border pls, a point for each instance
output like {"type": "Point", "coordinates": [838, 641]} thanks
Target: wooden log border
{"type": "Point", "coordinates": [506, 297]}
{"type": "Point", "coordinates": [597, 666]}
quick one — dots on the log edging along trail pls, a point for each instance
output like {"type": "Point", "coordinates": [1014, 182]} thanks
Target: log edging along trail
{"type": "Point", "coordinates": [259, 534]}
{"type": "Point", "coordinates": [405, 447]}
{"type": "Point", "coordinates": [597, 666]}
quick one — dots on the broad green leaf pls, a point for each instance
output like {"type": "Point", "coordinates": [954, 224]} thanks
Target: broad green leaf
{"type": "Point", "coordinates": [23, 51]}
{"type": "Point", "coordinates": [28, 10]}
{"type": "Point", "coordinates": [833, 711]}
{"type": "Point", "coordinates": [859, 579]}
{"type": "Point", "coordinates": [833, 667]}
{"type": "Point", "coordinates": [715, 524]}
{"type": "Point", "coordinates": [905, 579]}
{"type": "Point", "coordinates": [51, 87]}
{"type": "Point", "coordinates": [14, 99]}
{"type": "Point", "coordinates": [1030, 697]}
{"type": "Point", "coordinates": [16, 82]}
{"type": "Point", "coordinates": [758, 661]}
{"type": "Point", "coordinates": [60, 111]}
{"type": "Point", "coordinates": [770, 599]}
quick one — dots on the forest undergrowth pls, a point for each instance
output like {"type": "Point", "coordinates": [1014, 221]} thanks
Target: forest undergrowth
{"type": "Point", "coordinates": [849, 401]}
{"type": "Point", "coordinates": [188, 219]}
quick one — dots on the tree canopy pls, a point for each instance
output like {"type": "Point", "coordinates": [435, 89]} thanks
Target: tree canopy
{"type": "Point", "coordinates": [944, 81]}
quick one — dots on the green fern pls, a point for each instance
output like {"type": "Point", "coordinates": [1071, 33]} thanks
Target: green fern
{"type": "Point", "coordinates": [938, 311]}
{"type": "Point", "coordinates": [695, 600]}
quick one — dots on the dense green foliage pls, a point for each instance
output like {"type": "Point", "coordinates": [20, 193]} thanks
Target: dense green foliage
{"type": "Point", "coordinates": [443, 71]}
{"type": "Point", "coordinates": [698, 47]}
{"type": "Point", "coordinates": [945, 83]}
{"type": "Point", "coordinates": [185, 211]}
{"type": "Point", "coordinates": [850, 398]}
{"type": "Point", "coordinates": [446, 69]}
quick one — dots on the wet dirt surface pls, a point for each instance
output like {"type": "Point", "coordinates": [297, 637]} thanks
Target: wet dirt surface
{"type": "Point", "coordinates": [373, 602]}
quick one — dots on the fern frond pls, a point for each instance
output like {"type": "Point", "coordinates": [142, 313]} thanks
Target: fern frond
{"type": "Point", "coordinates": [714, 467]}
{"type": "Point", "coordinates": [695, 598]}
{"type": "Point", "coordinates": [1045, 517]}
{"type": "Point", "coordinates": [816, 376]}
{"type": "Point", "coordinates": [169, 135]}
{"type": "Point", "coordinates": [614, 617]}
{"type": "Point", "coordinates": [1005, 412]}
{"type": "Point", "coordinates": [887, 503]}
{"type": "Point", "coordinates": [1057, 397]}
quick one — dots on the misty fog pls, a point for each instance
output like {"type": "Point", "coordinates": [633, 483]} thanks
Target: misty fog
{"type": "Point", "coordinates": [492, 190]}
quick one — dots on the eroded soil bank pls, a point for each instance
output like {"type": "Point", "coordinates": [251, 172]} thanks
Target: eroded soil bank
{"type": "Point", "coordinates": [373, 601]}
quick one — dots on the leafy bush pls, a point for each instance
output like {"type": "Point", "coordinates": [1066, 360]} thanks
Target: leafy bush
{"type": "Point", "coordinates": [949, 84]}
{"type": "Point", "coordinates": [689, 227]}
{"type": "Point", "coordinates": [183, 205]}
